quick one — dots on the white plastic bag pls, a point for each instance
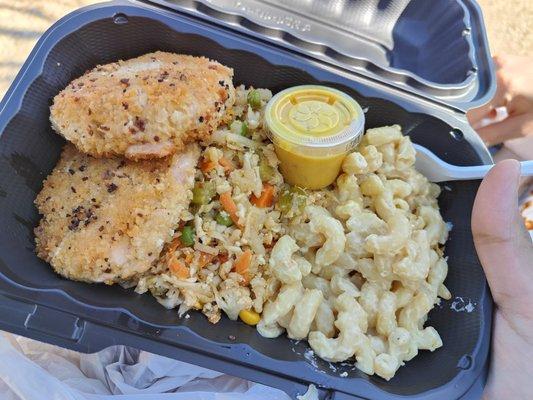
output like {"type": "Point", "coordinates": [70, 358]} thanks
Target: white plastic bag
{"type": "Point", "coordinates": [31, 370]}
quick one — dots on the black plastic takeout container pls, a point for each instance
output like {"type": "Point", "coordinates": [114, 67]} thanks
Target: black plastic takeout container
{"type": "Point", "coordinates": [37, 303]}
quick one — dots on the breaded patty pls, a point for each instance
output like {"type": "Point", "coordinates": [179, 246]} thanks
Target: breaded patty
{"type": "Point", "coordinates": [106, 220]}
{"type": "Point", "coordinates": [146, 107]}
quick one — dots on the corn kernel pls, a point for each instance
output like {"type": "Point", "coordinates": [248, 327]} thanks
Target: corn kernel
{"type": "Point", "coordinates": [249, 317]}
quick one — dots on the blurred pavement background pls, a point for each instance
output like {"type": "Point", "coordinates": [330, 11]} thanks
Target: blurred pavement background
{"type": "Point", "coordinates": [23, 21]}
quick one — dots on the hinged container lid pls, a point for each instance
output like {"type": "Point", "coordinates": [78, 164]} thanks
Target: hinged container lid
{"type": "Point", "coordinates": [435, 49]}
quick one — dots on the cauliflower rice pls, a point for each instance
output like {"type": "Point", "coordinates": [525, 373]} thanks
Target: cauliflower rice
{"type": "Point", "coordinates": [212, 285]}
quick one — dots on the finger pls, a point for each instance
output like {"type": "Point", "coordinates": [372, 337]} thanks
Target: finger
{"type": "Point", "coordinates": [477, 114]}
{"type": "Point", "coordinates": [498, 100]}
{"type": "Point", "coordinates": [510, 128]}
{"type": "Point", "coordinates": [519, 105]}
{"type": "Point", "coordinates": [502, 242]}
{"type": "Point", "coordinates": [502, 89]}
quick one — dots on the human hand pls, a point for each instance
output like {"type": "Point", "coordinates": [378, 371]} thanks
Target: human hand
{"type": "Point", "coordinates": [506, 253]}
{"type": "Point", "coordinates": [515, 92]}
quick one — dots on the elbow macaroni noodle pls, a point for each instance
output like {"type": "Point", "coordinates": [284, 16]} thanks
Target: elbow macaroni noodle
{"type": "Point", "coordinates": [362, 268]}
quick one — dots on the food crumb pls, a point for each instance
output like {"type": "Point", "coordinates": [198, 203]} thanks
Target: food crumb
{"type": "Point", "coordinates": [461, 304]}
{"type": "Point", "coordinates": [311, 394]}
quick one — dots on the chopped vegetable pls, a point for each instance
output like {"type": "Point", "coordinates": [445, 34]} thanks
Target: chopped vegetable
{"type": "Point", "coordinates": [295, 196]}
{"type": "Point", "coordinates": [226, 164]}
{"type": "Point", "coordinates": [244, 129]}
{"type": "Point", "coordinates": [188, 257]}
{"type": "Point", "coordinates": [240, 127]}
{"type": "Point", "coordinates": [202, 193]}
{"type": "Point", "coordinates": [249, 317]}
{"type": "Point", "coordinates": [187, 236]}
{"type": "Point", "coordinates": [155, 288]}
{"type": "Point", "coordinates": [204, 259]}
{"type": "Point", "coordinates": [267, 197]}
{"type": "Point", "coordinates": [266, 171]}
{"type": "Point", "coordinates": [239, 141]}
{"type": "Point", "coordinates": [235, 126]}
{"type": "Point", "coordinates": [254, 99]}
{"type": "Point", "coordinates": [285, 202]}
{"type": "Point", "coordinates": [242, 264]}
{"type": "Point", "coordinates": [298, 191]}
{"type": "Point", "coordinates": [224, 219]}
{"type": "Point", "coordinates": [229, 206]}
{"type": "Point", "coordinates": [179, 269]}
{"type": "Point", "coordinates": [207, 166]}
{"type": "Point", "coordinates": [222, 258]}
{"type": "Point", "coordinates": [176, 242]}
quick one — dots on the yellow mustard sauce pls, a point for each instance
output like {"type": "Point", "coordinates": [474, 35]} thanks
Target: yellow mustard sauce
{"type": "Point", "coordinates": [313, 128]}
{"type": "Point", "coordinates": [308, 172]}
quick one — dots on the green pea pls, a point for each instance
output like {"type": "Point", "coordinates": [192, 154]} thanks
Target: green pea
{"type": "Point", "coordinates": [203, 192]}
{"type": "Point", "coordinates": [187, 236]}
{"type": "Point", "coordinates": [254, 99]}
{"type": "Point", "coordinates": [224, 219]}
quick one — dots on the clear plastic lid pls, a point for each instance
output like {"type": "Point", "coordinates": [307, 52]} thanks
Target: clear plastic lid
{"type": "Point", "coordinates": [320, 118]}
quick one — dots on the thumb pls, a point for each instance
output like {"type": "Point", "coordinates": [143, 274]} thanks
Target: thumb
{"type": "Point", "coordinates": [502, 243]}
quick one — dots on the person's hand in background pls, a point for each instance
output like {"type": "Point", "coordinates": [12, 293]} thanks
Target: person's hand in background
{"type": "Point", "coordinates": [515, 92]}
{"type": "Point", "coordinates": [506, 253]}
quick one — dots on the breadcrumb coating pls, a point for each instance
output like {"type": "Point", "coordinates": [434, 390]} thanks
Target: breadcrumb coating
{"type": "Point", "coordinates": [146, 107]}
{"type": "Point", "coordinates": [106, 220]}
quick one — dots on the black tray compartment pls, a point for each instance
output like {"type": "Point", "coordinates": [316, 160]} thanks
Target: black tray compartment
{"type": "Point", "coordinates": [37, 303]}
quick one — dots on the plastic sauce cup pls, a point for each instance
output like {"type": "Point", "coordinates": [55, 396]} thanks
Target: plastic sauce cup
{"type": "Point", "coordinates": [313, 128]}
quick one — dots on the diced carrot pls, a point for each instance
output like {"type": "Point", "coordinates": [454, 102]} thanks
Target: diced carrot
{"type": "Point", "coordinates": [204, 259]}
{"type": "Point", "coordinates": [267, 197]}
{"type": "Point", "coordinates": [229, 206]}
{"type": "Point", "coordinates": [227, 164]}
{"type": "Point", "coordinates": [177, 268]}
{"type": "Point", "coordinates": [242, 265]}
{"type": "Point", "coordinates": [176, 242]}
{"type": "Point", "coordinates": [189, 257]}
{"type": "Point", "coordinates": [170, 249]}
{"type": "Point", "coordinates": [207, 166]}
